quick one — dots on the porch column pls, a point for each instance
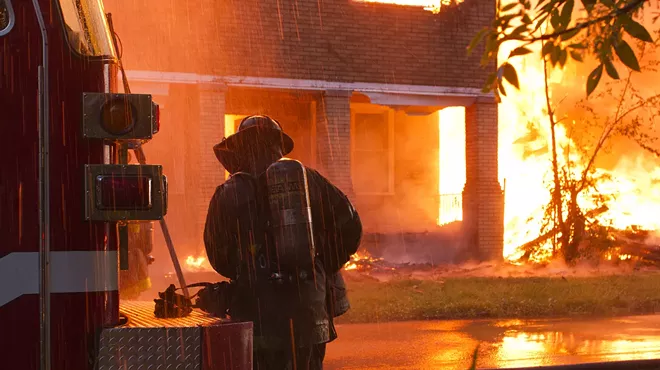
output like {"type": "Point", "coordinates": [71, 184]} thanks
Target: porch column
{"type": "Point", "coordinates": [333, 137]}
{"type": "Point", "coordinates": [483, 200]}
{"type": "Point", "coordinates": [211, 131]}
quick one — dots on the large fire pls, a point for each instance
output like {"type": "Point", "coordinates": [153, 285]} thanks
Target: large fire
{"type": "Point", "coordinates": [524, 161]}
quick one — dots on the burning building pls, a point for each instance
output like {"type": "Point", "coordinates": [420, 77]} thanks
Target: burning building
{"type": "Point", "coordinates": [366, 89]}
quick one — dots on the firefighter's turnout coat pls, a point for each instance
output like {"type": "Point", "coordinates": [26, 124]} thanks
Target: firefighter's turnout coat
{"type": "Point", "coordinates": [240, 248]}
{"type": "Point", "coordinates": [135, 280]}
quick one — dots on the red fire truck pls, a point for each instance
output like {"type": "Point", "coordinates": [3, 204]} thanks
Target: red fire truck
{"type": "Point", "coordinates": [66, 195]}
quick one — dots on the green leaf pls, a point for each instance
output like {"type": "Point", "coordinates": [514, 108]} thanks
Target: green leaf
{"type": "Point", "coordinates": [635, 29]}
{"type": "Point", "coordinates": [549, 6]}
{"type": "Point", "coordinates": [547, 48]}
{"type": "Point", "coordinates": [563, 57]}
{"type": "Point", "coordinates": [570, 34]}
{"type": "Point", "coordinates": [516, 34]}
{"type": "Point", "coordinates": [576, 55]}
{"type": "Point", "coordinates": [627, 55]}
{"type": "Point", "coordinates": [555, 20]}
{"type": "Point", "coordinates": [508, 7]}
{"type": "Point", "coordinates": [577, 46]}
{"type": "Point", "coordinates": [594, 79]}
{"type": "Point", "coordinates": [510, 75]}
{"type": "Point", "coordinates": [477, 39]}
{"type": "Point", "coordinates": [540, 21]}
{"type": "Point", "coordinates": [555, 55]}
{"type": "Point", "coordinates": [589, 4]}
{"type": "Point", "coordinates": [611, 70]}
{"type": "Point", "coordinates": [519, 51]}
{"type": "Point", "coordinates": [567, 13]}
{"type": "Point", "coordinates": [500, 87]}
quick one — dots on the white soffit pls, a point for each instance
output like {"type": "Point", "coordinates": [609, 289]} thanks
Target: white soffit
{"type": "Point", "coordinates": [415, 100]}
{"type": "Point", "coordinates": [386, 94]}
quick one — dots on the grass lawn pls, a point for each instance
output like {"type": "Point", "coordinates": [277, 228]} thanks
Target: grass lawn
{"type": "Point", "coordinates": [477, 297]}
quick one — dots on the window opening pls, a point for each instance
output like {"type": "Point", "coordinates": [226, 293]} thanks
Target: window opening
{"type": "Point", "coordinates": [87, 28]}
{"type": "Point", "coordinates": [433, 6]}
{"type": "Point", "coordinates": [372, 151]}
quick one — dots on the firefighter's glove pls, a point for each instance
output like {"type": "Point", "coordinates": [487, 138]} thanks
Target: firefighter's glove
{"type": "Point", "coordinates": [172, 305]}
{"type": "Point", "coordinates": [215, 299]}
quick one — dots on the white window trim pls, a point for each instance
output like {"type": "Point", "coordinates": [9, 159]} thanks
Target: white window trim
{"type": "Point", "coordinates": [357, 108]}
{"type": "Point", "coordinates": [12, 19]}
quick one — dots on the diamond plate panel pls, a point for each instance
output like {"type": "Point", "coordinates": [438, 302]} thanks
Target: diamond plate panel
{"type": "Point", "coordinates": [150, 349]}
{"type": "Point", "coordinates": [141, 314]}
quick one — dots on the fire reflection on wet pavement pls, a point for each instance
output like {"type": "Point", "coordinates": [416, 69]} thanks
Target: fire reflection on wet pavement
{"type": "Point", "coordinates": [503, 343]}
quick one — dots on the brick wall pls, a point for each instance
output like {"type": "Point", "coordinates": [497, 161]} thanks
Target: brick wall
{"type": "Point", "coordinates": [337, 40]}
{"type": "Point", "coordinates": [333, 138]}
{"type": "Point", "coordinates": [211, 131]}
{"type": "Point", "coordinates": [483, 200]}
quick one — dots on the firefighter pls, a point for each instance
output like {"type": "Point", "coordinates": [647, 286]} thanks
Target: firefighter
{"type": "Point", "coordinates": [135, 280]}
{"type": "Point", "coordinates": [292, 312]}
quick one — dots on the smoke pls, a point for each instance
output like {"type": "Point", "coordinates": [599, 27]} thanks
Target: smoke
{"type": "Point", "coordinates": [654, 238]}
{"type": "Point", "coordinates": [568, 94]}
{"type": "Point", "coordinates": [555, 269]}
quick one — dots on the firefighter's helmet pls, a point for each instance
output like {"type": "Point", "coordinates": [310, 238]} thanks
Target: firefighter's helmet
{"type": "Point", "coordinates": [251, 129]}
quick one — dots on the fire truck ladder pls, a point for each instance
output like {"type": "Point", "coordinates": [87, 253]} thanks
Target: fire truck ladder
{"type": "Point", "coordinates": [141, 158]}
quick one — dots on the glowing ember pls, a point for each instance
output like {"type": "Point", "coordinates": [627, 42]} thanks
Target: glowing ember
{"type": "Point", "coordinates": [621, 257]}
{"type": "Point", "coordinates": [430, 5]}
{"type": "Point", "coordinates": [198, 264]}
{"type": "Point", "coordinates": [361, 261]}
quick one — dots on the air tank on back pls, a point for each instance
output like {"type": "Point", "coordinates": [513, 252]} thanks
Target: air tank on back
{"type": "Point", "coordinates": [290, 214]}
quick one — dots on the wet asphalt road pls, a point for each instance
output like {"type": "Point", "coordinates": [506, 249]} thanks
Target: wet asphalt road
{"type": "Point", "coordinates": [504, 343]}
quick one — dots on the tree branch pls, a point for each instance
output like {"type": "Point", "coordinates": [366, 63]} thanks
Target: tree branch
{"type": "Point", "coordinates": [606, 133]}
{"type": "Point", "coordinates": [613, 14]}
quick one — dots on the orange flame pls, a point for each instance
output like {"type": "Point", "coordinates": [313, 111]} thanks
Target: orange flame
{"type": "Point", "coordinates": [431, 5]}
{"type": "Point", "coordinates": [525, 161]}
{"type": "Point", "coordinates": [198, 264]}
{"type": "Point", "coordinates": [359, 260]}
